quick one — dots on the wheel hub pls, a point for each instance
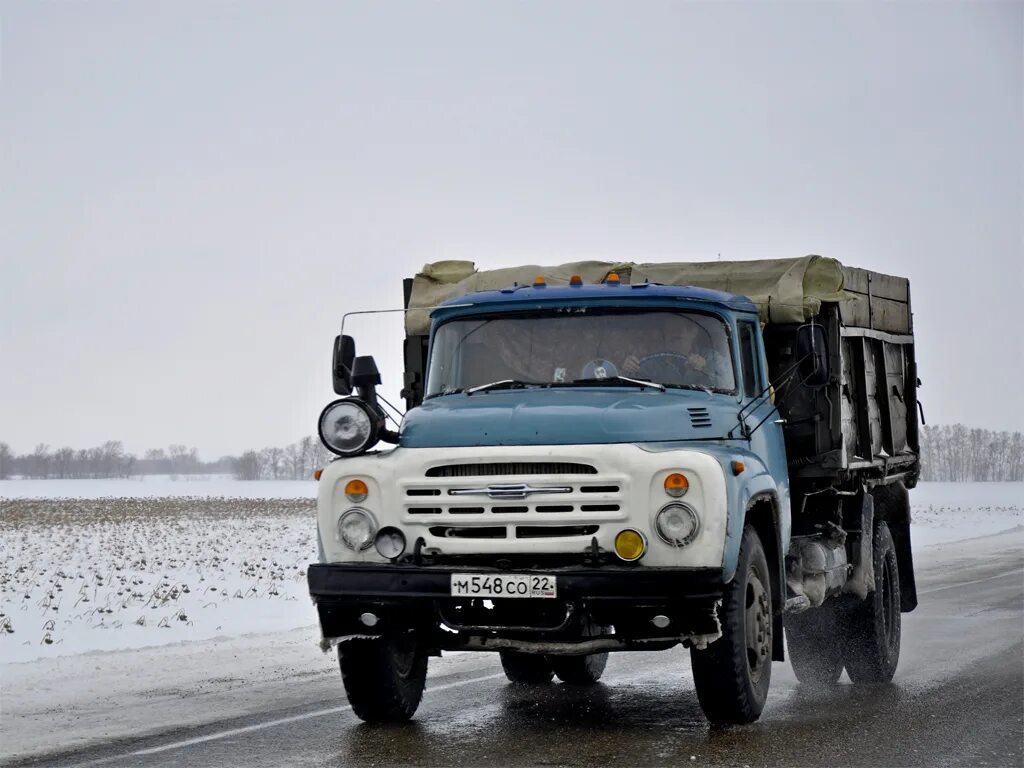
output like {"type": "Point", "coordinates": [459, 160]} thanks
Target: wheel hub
{"type": "Point", "coordinates": [758, 621]}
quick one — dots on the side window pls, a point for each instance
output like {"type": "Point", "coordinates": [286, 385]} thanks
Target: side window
{"type": "Point", "coordinates": [748, 360]}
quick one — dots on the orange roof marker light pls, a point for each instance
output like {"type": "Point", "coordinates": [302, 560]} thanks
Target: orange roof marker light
{"type": "Point", "coordinates": [612, 279]}
{"type": "Point", "coordinates": [539, 282]}
{"type": "Point", "coordinates": [576, 280]}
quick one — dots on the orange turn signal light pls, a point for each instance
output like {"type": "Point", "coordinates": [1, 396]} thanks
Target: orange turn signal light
{"type": "Point", "coordinates": [356, 490]}
{"type": "Point", "coordinates": [613, 278]}
{"type": "Point", "coordinates": [738, 467]}
{"type": "Point", "coordinates": [575, 280]}
{"type": "Point", "coordinates": [676, 484]}
{"type": "Point", "coordinates": [539, 282]}
{"type": "Point", "coordinates": [317, 473]}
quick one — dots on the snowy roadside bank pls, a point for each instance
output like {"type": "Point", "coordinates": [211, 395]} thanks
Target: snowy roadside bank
{"type": "Point", "coordinates": [69, 702]}
{"type": "Point", "coordinates": [243, 563]}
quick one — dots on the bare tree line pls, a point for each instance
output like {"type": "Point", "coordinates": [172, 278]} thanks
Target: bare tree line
{"type": "Point", "coordinates": [110, 460]}
{"type": "Point", "coordinates": [958, 453]}
{"type": "Point", "coordinates": [948, 453]}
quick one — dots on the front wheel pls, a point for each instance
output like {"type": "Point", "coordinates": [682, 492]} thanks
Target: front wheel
{"type": "Point", "coordinates": [872, 648]}
{"type": "Point", "coordinates": [733, 673]}
{"type": "Point", "coordinates": [383, 677]}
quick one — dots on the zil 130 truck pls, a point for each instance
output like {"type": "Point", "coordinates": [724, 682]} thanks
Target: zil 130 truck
{"type": "Point", "coordinates": [605, 457]}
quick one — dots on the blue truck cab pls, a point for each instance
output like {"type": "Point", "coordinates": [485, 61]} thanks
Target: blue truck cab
{"type": "Point", "coordinates": [586, 468]}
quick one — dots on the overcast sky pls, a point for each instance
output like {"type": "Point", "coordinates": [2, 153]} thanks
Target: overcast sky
{"type": "Point", "coordinates": [191, 194]}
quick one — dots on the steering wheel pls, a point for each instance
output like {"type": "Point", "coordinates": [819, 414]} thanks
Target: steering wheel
{"type": "Point", "coordinates": [669, 363]}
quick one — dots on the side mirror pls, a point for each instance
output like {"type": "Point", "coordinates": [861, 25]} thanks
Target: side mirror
{"type": "Point", "coordinates": [341, 364]}
{"type": "Point", "coordinates": [812, 351]}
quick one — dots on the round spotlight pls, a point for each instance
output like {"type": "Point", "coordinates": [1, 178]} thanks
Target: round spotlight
{"type": "Point", "coordinates": [348, 426]}
{"type": "Point", "coordinates": [630, 544]}
{"type": "Point", "coordinates": [677, 524]}
{"type": "Point", "coordinates": [356, 529]}
{"type": "Point", "coordinates": [389, 542]}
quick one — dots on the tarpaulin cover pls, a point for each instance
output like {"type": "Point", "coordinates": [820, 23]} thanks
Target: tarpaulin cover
{"type": "Point", "coordinates": [784, 290]}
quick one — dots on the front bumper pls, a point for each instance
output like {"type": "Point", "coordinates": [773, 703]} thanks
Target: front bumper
{"type": "Point", "coordinates": [358, 580]}
{"type": "Point", "coordinates": [402, 597]}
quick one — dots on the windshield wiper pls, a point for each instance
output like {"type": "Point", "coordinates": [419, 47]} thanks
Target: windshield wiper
{"type": "Point", "coordinates": [620, 380]}
{"type": "Point", "coordinates": [503, 384]}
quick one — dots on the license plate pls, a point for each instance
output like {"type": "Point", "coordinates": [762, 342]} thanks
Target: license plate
{"type": "Point", "coordinates": [503, 585]}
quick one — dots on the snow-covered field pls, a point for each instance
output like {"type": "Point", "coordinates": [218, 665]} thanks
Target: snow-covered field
{"type": "Point", "coordinates": [106, 565]}
{"type": "Point", "coordinates": [948, 512]}
{"type": "Point", "coordinates": [104, 574]}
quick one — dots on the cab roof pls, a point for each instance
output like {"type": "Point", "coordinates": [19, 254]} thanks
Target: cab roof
{"type": "Point", "coordinates": [602, 293]}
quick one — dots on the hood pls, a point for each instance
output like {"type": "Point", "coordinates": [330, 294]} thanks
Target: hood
{"type": "Point", "coordinates": [567, 416]}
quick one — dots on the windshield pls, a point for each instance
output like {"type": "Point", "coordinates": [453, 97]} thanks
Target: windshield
{"type": "Point", "coordinates": [677, 349]}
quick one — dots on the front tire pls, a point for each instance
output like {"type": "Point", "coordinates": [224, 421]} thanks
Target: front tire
{"type": "Point", "coordinates": [733, 673]}
{"type": "Point", "coordinates": [383, 677]}
{"type": "Point", "coordinates": [579, 670]}
{"type": "Point", "coordinates": [815, 642]}
{"type": "Point", "coordinates": [526, 668]}
{"type": "Point", "coordinates": [872, 648]}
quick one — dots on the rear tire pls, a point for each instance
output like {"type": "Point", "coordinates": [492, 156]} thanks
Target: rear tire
{"type": "Point", "coordinates": [872, 649]}
{"type": "Point", "coordinates": [384, 678]}
{"type": "Point", "coordinates": [579, 670]}
{"type": "Point", "coordinates": [733, 673]}
{"type": "Point", "coordinates": [526, 668]}
{"type": "Point", "coordinates": [814, 639]}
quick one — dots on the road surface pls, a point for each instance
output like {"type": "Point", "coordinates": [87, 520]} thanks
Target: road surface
{"type": "Point", "coordinates": [958, 699]}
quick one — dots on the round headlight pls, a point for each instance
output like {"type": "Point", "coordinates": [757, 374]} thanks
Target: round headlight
{"type": "Point", "coordinates": [389, 542]}
{"type": "Point", "coordinates": [356, 529]}
{"type": "Point", "coordinates": [348, 427]}
{"type": "Point", "coordinates": [677, 524]}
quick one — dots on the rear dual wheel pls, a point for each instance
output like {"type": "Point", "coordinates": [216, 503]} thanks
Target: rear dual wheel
{"type": "Point", "coordinates": [871, 650]}
{"type": "Point", "coordinates": [864, 637]}
{"type": "Point", "coordinates": [533, 669]}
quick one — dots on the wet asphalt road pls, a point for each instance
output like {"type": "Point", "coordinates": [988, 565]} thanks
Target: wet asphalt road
{"type": "Point", "coordinates": [958, 699]}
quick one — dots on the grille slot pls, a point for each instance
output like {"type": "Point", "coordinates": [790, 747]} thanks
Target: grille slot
{"type": "Point", "coordinates": [424, 510]}
{"type": "Point", "coordinates": [599, 489]}
{"type": "Point", "coordinates": [699, 417]}
{"type": "Point", "coordinates": [555, 508]}
{"type": "Point", "coordinates": [476, 532]}
{"type": "Point", "coordinates": [549, 531]}
{"type": "Point", "coordinates": [423, 492]}
{"type": "Point", "coordinates": [512, 468]}
{"type": "Point", "coordinates": [466, 510]}
{"type": "Point", "coordinates": [599, 508]}
{"type": "Point", "coordinates": [509, 510]}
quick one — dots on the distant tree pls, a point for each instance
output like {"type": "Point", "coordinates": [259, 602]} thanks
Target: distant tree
{"type": "Point", "coordinates": [6, 461]}
{"type": "Point", "coordinates": [247, 466]}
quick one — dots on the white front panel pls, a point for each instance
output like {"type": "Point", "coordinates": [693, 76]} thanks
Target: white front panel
{"type": "Point", "coordinates": [473, 500]}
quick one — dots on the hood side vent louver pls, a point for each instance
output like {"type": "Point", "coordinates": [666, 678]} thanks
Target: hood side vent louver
{"type": "Point", "coordinates": [699, 418]}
